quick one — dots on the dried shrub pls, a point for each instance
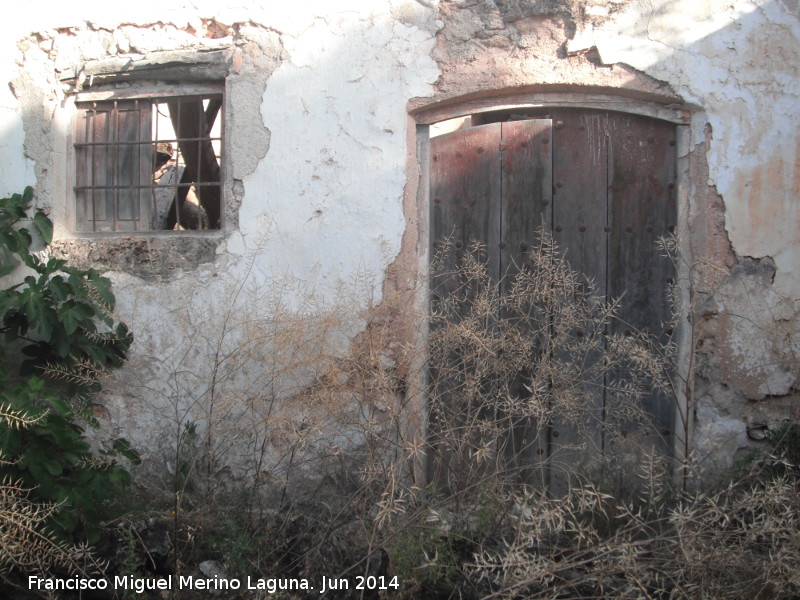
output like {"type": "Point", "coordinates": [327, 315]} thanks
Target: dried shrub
{"type": "Point", "coordinates": [26, 543]}
{"type": "Point", "coordinates": [328, 476]}
{"type": "Point", "coordinates": [739, 542]}
{"type": "Point", "coordinates": [510, 359]}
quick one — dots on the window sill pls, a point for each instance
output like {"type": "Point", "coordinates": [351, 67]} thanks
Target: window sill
{"type": "Point", "coordinates": [152, 256]}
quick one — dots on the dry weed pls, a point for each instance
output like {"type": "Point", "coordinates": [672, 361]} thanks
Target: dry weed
{"type": "Point", "coordinates": [313, 431]}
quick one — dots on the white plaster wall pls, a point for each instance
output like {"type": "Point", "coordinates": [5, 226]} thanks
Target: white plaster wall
{"type": "Point", "coordinates": [329, 194]}
{"type": "Point", "coordinates": [15, 171]}
{"type": "Point", "coordinates": [738, 60]}
{"type": "Point", "coordinates": [320, 179]}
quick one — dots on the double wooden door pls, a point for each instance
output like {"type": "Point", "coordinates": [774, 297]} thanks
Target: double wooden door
{"type": "Point", "coordinates": [603, 183]}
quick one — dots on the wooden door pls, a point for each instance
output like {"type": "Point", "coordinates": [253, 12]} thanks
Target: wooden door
{"type": "Point", "coordinates": [603, 184]}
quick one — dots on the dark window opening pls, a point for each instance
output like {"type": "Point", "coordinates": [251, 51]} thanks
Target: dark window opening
{"type": "Point", "coordinates": [149, 164]}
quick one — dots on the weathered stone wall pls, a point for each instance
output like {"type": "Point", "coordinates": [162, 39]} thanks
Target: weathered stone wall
{"type": "Point", "coordinates": [314, 173]}
{"type": "Point", "coordinates": [322, 174]}
{"type": "Point", "coordinates": [735, 68]}
{"type": "Point", "coordinates": [738, 64]}
{"type": "Point", "coordinates": [489, 46]}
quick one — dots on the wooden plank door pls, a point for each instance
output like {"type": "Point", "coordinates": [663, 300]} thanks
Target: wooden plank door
{"type": "Point", "coordinates": [603, 183]}
{"type": "Point", "coordinates": [465, 185]}
{"type": "Point", "coordinates": [580, 219]}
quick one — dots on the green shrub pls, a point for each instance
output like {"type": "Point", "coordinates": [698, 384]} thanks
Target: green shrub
{"type": "Point", "coordinates": [51, 456]}
{"type": "Point", "coordinates": [59, 318]}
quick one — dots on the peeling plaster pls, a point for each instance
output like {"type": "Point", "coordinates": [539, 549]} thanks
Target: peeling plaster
{"type": "Point", "coordinates": [485, 47]}
{"type": "Point", "coordinates": [759, 337]}
{"type": "Point", "coordinates": [321, 172]}
{"type": "Point", "coordinates": [345, 191]}
{"type": "Point", "coordinates": [739, 62]}
{"type": "Point", "coordinates": [156, 259]}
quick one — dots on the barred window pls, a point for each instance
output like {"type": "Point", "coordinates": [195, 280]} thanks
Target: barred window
{"type": "Point", "coordinates": [148, 164]}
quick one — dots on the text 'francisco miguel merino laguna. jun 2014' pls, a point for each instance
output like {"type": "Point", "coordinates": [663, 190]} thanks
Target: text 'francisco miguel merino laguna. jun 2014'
{"type": "Point", "coordinates": [271, 585]}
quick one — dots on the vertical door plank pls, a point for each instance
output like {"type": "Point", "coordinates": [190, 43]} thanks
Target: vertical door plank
{"type": "Point", "coordinates": [527, 188]}
{"type": "Point", "coordinates": [465, 190]}
{"type": "Point", "coordinates": [464, 198]}
{"type": "Point", "coordinates": [525, 208]}
{"type": "Point", "coordinates": [642, 208]}
{"type": "Point", "coordinates": [580, 155]}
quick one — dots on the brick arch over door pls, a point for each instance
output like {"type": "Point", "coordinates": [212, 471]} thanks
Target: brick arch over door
{"type": "Point", "coordinates": [603, 182]}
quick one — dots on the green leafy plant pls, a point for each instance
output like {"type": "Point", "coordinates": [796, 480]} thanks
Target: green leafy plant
{"type": "Point", "coordinates": [59, 318]}
{"type": "Point", "coordinates": [52, 457]}
{"type": "Point", "coordinates": [59, 315]}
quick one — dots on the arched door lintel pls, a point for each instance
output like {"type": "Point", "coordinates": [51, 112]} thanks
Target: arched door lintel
{"type": "Point", "coordinates": [663, 108]}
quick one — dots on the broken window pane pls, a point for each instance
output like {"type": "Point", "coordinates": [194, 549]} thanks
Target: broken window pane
{"type": "Point", "coordinates": [149, 164]}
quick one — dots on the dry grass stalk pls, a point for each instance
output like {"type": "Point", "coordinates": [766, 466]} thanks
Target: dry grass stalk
{"type": "Point", "coordinates": [313, 425]}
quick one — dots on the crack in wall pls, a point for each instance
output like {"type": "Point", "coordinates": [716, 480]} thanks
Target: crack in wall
{"type": "Point", "coordinates": [745, 306]}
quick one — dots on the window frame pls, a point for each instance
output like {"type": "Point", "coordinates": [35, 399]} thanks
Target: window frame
{"type": "Point", "coordinates": [146, 92]}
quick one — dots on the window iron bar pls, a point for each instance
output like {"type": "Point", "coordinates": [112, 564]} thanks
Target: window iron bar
{"type": "Point", "coordinates": [147, 142]}
{"type": "Point", "coordinates": [102, 140]}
